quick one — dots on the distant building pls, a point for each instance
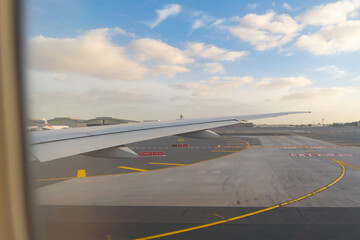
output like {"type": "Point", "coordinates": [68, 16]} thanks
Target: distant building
{"type": "Point", "coordinates": [33, 122]}
{"type": "Point", "coordinates": [71, 122]}
{"type": "Point", "coordinates": [75, 122]}
{"type": "Point", "coordinates": [151, 120]}
{"type": "Point", "coordinates": [106, 121]}
{"type": "Point", "coordinates": [235, 127]}
{"type": "Point", "coordinates": [239, 125]}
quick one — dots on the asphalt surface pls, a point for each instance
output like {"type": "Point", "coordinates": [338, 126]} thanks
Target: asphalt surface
{"type": "Point", "coordinates": [197, 150]}
{"type": "Point", "coordinates": [261, 184]}
{"type": "Point", "coordinates": [342, 136]}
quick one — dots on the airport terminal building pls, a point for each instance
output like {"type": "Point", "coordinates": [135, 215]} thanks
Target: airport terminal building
{"type": "Point", "coordinates": [75, 122]}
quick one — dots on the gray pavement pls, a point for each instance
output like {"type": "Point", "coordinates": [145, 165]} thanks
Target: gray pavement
{"type": "Point", "coordinates": [199, 150]}
{"type": "Point", "coordinates": [128, 206]}
{"type": "Point", "coordinates": [255, 177]}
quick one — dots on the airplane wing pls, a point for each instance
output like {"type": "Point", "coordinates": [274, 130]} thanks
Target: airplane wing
{"type": "Point", "coordinates": [50, 145]}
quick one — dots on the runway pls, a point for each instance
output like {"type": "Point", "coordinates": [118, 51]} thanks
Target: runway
{"type": "Point", "coordinates": [279, 186]}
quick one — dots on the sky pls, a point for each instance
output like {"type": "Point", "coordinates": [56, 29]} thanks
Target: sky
{"type": "Point", "coordinates": [157, 59]}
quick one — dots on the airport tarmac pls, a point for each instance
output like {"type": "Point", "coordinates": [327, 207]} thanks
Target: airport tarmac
{"type": "Point", "coordinates": [176, 151]}
{"type": "Point", "coordinates": [260, 186]}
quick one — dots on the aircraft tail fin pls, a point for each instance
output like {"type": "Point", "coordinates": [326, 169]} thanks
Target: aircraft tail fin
{"type": "Point", "coordinates": [46, 123]}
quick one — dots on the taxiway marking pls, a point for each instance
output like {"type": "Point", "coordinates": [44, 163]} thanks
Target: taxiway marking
{"type": "Point", "coordinates": [352, 165]}
{"type": "Point", "coordinates": [135, 169]}
{"type": "Point", "coordinates": [295, 147]}
{"type": "Point", "coordinates": [233, 146]}
{"type": "Point", "coordinates": [54, 179]}
{"type": "Point", "coordinates": [219, 216]}
{"type": "Point", "coordinates": [338, 161]}
{"type": "Point", "coordinates": [174, 164]}
{"type": "Point", "coordinates": [224, 151]}
{"type": "Point", "coordinates": [320, 155]}
{"type": "Point", "coordinates": [81, 173]}
{"type": "Point", "coordinates": [248, 214]}
{"type": "Point", "coordinates": [115, 174]}
{"type": "Point", "coordinates": [255, 212]}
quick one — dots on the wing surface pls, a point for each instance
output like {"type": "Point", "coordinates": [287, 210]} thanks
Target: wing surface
{"type": "Point", "coordinates": [50, 145]}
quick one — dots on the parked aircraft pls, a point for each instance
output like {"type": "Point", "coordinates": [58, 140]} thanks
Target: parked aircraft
{"type": "Point", "coordinates": [47, 126]}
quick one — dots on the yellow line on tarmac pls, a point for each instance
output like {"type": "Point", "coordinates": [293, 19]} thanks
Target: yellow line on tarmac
{"type": "Point", "coordinates": [233, 146]}
{"type": "Point", "coordinates": [248, 214]}
{"type": "Point", "coordinates": [292, 146]}
{"type": "Point", "coordinates": [135, 169]}
{"type": "Point", "coordinates": [253, 213]}
{"type": "Point", "coordinates": [175, 164]}
{"type": "Point", "coordinates": [53, 179]}
{"type": "Point", "coordinates": [234, 142]}
{"type": "Point", "coordinates": [219, 216]}
{"type": "Point", "coordinates": [223, 151]}
{"type": "Point", "coordinates": [115, 174]}
{"type": "Point", "coordinates": [352, 165]}
{"type": "Point", "coordinates": [338, 161]}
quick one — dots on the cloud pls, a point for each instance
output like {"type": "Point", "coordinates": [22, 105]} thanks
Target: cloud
{"type": "Point", "coordinates": [286, 82]}
{"type": "Point", "coordinates": [198, 24]}
{"type": "Point", "coordinates": [202, 20]}
{"type": "Point", "coordinates": [213, 67]}
{"type": "Point", "coordinates": [168, 10]}
{"type": "Point", "coordinates": [94, 102]}
{"type": "Point", "coordinates": [239, 80]}
{"type": "Point", "coordinates": [219, 21]}
{"type": "Point", "coordinates": [332, 70]}
{"type": "Point", "coordinates": [151, 49]}
{"type": "Point", "coordinates": [329, 40]}
{"type": "Point", "coordinates": [94, 55]}
{"type": "Point", "coordinates": [194, 106]}
{"type": "Point", "coordinates": [252, 6]}
{"type": "Point", "coordinates": [265, 31]}
{"type": "Point", "coordinates": [320, 93]}
{"type": "Point", "coordinates": [209, 51]}
{"type": "Point", "coordinates": [90, 98]}
{"type": "Point", "coordinates": [330, 13]}
{"type": "Point", "coordinates": [168, 70]}
{"type": "Point", "coordinates": [161, 58]}
{"type": "Point", "coordinates": [288, 7]}
{"type": "Point", "coordinates": [356, 79]}
{"type": "Point", "coordinates": [124, 32]}
{"type": "Point", "coordinates": [91, 53]}
{"type": "Point", "coordinates": [214, 86]}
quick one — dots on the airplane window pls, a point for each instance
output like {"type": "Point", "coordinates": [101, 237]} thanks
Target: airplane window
{"type": "Point", "coordinates": [193, 119]}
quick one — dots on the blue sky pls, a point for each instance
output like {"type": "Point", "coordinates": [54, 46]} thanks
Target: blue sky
{"type": "Point", "coordinates": [157, 59]}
